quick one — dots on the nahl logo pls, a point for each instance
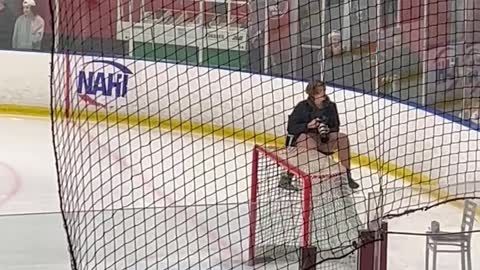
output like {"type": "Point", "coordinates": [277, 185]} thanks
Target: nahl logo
{"type": "Point", "coordinates": [107, 79]}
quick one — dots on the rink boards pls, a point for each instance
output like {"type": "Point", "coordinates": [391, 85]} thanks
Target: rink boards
{"type": "Point", "coordinates": [404, 141]}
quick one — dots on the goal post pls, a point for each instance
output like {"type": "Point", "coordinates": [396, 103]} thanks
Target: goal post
{"type": "Point", "coordinates": [321, 216]}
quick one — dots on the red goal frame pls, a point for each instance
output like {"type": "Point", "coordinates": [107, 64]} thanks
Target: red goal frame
{"type": "Point", "coordinates": [253, 199]}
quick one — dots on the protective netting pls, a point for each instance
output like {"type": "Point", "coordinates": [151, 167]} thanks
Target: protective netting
{"type": "Point", "coordinates": [156, 105]}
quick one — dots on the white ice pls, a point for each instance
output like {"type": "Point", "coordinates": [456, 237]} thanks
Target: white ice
{"type": "Point", "coordinates": [31, 228]}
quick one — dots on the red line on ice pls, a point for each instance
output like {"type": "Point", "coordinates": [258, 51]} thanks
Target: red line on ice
{"type": "Point", "coordinates": [17, 182]}
{"type": "Point", "coordinates": [210, 234]}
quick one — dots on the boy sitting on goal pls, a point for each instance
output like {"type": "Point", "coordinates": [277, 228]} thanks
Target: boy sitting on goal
{"type": "Point", "coordinates": [314, 125]}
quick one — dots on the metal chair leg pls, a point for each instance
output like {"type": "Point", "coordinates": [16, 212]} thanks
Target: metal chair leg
{"type": "Point", "coordinates": [463, 255]}
{"type": "Point", "coordinates": [427, 254]}
{"type": "Point", "coordinates": [434, 251]}
{"type": "Point", "coordinates": [469, 257]}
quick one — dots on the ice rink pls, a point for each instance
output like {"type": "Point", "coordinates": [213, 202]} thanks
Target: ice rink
{"type": "Point", "coordinates": [32, 234]}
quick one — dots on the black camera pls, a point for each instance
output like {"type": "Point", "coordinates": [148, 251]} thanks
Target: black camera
{"type": "Point", "coordinates": [323, 130]}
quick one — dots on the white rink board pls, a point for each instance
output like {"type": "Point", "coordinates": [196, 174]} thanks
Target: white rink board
{"type": "Point", "coordinates": [384, 129]}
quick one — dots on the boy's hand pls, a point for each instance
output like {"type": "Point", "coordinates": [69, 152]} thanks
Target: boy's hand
{"type": "Point", "coordinates": [313, 124]}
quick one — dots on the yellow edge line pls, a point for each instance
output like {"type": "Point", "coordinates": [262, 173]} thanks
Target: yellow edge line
{"type": "Point", "coordinates": [418, 182]}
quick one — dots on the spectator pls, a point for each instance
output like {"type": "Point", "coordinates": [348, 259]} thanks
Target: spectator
{"type": "Point", "coordinates": [7, 22]}
{"type": "Point", "coordinates": [29, 28]}
{"type": "Point", "coordinates": [315, 125]}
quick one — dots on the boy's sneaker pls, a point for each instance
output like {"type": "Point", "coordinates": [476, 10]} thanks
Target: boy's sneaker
{"type": "Point", "coordinates": [351, 183]}
{"type": "Point", "coordinates": [286, 182]}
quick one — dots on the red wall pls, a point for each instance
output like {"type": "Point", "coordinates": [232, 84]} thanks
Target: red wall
{"type": "Point", "coordinates": [411, 16]}
{"type": "Point", "coordinates": [279, 34]}
{"type": "Point", "coordinates": [437, 23]}
{"type": "Point", "coordinates": [93, 18]}
{"type": "Point", "coordinates": [97, 18]}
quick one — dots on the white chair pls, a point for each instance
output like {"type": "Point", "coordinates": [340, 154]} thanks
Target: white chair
{"type": "Point", "coordinates": [456, 242]}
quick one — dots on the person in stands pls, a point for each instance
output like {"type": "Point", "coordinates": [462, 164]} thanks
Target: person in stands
{"type": "Point", "coordinates": [314, 125]}
{"type": "Point", "coordinates": [29, 28]}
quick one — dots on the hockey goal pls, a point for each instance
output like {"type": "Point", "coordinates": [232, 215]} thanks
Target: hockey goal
{"type": "Point", "coordinates": [317, 224]}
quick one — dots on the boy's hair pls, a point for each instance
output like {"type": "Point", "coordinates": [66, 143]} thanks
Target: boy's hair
{"type": "Point", "coordinates": [314, 87]}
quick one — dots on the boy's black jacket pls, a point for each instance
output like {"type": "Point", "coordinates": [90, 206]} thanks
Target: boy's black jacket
{"type": "Point", "coordinates": [306, 111]}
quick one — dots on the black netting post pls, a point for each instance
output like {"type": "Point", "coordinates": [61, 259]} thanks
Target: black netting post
{"type": "Point", "coordinates": [308, 258]}
{"type": "Point", "coordinates": [373, 252]}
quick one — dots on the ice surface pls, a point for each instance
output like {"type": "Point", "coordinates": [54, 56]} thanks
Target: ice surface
{"type": "Point", "coordinates": [32, 234]}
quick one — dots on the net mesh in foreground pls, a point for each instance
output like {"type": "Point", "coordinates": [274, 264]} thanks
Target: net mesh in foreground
{"type": "Point", "coordinates": [152, 103]}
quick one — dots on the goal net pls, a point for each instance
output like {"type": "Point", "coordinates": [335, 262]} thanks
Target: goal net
{"type": "Point", "coordinates": [322, 213]}
{"type": "Point", "coordinates": [157, 106]}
